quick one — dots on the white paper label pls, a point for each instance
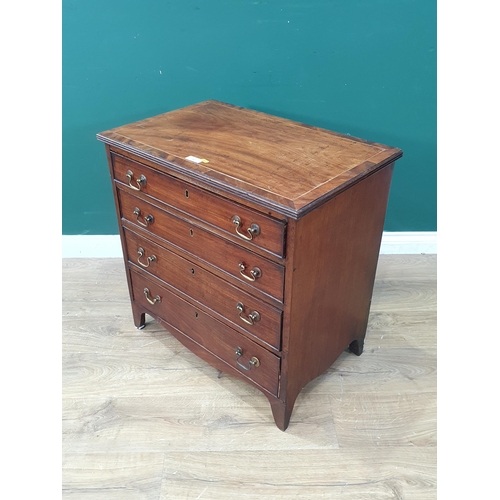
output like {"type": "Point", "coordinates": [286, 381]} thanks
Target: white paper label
{"type": "Point", "coordinates": [194, 159]}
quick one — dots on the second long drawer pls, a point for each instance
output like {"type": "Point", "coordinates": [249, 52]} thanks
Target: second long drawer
{"type": "Point", "coordinates": [240, 308]}
{"type": "Point", "coordinates": [233, 259]}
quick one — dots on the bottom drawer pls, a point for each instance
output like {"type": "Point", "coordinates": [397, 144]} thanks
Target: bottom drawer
{"type": "Point", "coordinates": [252, 360]}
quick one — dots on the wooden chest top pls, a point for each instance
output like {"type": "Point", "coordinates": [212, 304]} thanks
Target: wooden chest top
{"type": "Point", "coordinates": [280, 164]}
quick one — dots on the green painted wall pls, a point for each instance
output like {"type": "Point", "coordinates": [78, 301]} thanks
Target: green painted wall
{"type": "Point", "coordinates": [361, 67]}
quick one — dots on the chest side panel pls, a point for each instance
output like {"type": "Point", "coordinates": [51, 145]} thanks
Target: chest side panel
{"type": "Point", "coordinates": [335, 257]}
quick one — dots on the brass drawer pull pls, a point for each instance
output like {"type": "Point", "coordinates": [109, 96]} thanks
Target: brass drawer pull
{"type": "Point", "coordinates": [253, 362]}
{"type": "Point", "coordinates": [253, 317]}
{"type": "Point", "coordinates": [154, 301]}
{"type": "Point", "coordinates": [254, 273]}
{"type": "Point", "coordinates": [140, 253]}
{"type": "Point", "coordinates": [141, 181]}
{"type": "Point", "coordinates": [149, 219]}
{"type": "Point", "coordinates": [253, 230]}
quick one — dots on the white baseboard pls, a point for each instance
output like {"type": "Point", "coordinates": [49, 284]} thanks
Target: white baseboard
{"type": "Point", "coordinates": [104, 246]}
{"type": "Point", "coordinates": [90, 246]}
{"type": "Point", "coordinates": [409, 242]}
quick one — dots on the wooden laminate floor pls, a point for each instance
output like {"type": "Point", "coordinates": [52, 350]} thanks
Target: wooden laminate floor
{"type": "Point", "coordinates": [143, 418]}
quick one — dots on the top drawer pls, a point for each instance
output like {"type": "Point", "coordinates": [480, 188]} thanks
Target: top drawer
{"type": "Point", "coordinates": [243, 223]}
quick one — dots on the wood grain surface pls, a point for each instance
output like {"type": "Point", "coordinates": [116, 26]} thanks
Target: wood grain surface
{"type": "Point", "coordinates": [201, 204]}
{"type": "Point", "coordinates": [144, 418]}
{"type": "Point", "coordinates": [207, 333]}
{"type": "Point", "coordinates": [211, 292]}
{"type": "Point", "coordinates": [277, 161]}
{"type": "Point", "coordinates": [330, 278]}
{"type": "Point", "coordinates": [194, 240]}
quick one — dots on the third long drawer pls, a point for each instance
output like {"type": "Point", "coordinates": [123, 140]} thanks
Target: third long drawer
{"type": "Point", "coordinates": [244, 311]}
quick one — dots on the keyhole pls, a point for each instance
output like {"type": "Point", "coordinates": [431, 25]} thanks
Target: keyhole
{"type": "Point", "coordinates": [192, 271]}
{"type": "Point", "coordinates": [191, 232]}
{"type": "Point", "coordinates": [187, 193]}
{"type": "Point", "coordinates": [195, 314]}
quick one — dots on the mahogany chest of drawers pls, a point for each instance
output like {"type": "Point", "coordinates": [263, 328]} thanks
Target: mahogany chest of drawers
{"type": "Point", "coordinates": [252, 239]}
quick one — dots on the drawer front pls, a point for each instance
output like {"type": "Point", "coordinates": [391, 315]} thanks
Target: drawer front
{"type": "Point", "coordinates": [205, 245]}
{"type": "Point", "coordinates": [206, 288]}
{"type": "Point", "coordinates": [201, 204]}
{"type": "Point", "coordinates": [214, 336]}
